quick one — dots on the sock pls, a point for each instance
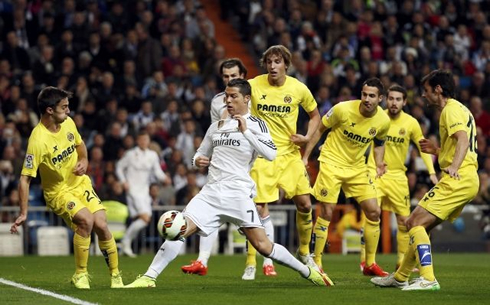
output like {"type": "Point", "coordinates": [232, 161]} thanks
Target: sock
{"type": "Point", "coordinates": [269, 231]}
{"type": "Point", "coordinates": [402, 243]}
{"type": "Point", "coordinates": [422, 247]}
{"type": "Point", "coordinates": [304, 226]}
{"type": "Point", "coordinates": [321, 237]}
{"type": "Point", "coordinates": [206, 244]}
{"type": "Point", "coordinates": [134, 228]}
{"type": "Point", "coordinates": [251, 253]}
{"type": "Point", "coordinates": [371, 237]}
{"type": "Point", "coordinates": [81, 247]}
{"type": "Point", "coordinates": [408, 263]}
{"type": "Point", "coordinates": [109, 250]}
{"type": "Point", "coordinates": [362, 252]}
{"type": "Point", "coordinates": [283, 257]}
{"type": "Point", "coordinates": [168, 252]}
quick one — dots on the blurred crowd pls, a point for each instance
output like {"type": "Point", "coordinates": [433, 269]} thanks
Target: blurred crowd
{"type": "Point", "coordinates": [154, 65]}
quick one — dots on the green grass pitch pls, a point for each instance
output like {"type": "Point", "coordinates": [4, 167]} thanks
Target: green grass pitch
{"type": "Point", "coordinates": [464, 279]}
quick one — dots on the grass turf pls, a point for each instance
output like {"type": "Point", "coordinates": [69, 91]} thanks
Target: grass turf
{"type": "Point", "coordinates": [464, 279]}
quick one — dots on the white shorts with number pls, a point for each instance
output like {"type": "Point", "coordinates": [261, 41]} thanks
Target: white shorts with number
{"type": "Point", "coordinates": [219, 203]}
{"type": "Point", "coordinates": [139, 203]}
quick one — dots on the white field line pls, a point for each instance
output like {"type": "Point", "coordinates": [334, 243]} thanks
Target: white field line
{"type": "Point", "coordinates": [46, 292]}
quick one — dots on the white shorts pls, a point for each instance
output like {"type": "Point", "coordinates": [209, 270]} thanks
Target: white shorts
{"type": "Point", "coordinates": [219, 203]}
{"type": "Point", "coordinates": [139, 204]}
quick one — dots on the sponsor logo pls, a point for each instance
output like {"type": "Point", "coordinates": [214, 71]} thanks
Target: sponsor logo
{"type": "Point", "coordinates": [70, 205]}
{"type": "Point", "coordinates": [395, 139]}
{"type": "Point", "coordinates": [274, 108]}
{"type": "Point", "coordinates": [29, 162]}
{"type": "Point", "coordinates": [70, 136]}
{"type": "Point", "coordinates": [425, 255]}
{"type": "Point", "coordinates": [356, 137]}
{"type": "Point", "coordinates": [288, 99]}
{"type": "Point", "coordinates": [63, 155]}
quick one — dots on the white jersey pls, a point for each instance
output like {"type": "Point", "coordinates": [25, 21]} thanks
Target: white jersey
{"type": "Point", "coordinates": [218, 107]}
{"type": "Point", "coordinates": [232, 152]}
{"type": "Point", "coordinates": [137, 167]}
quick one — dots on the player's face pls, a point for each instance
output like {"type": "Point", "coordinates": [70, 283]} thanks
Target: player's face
{"type": "Point", "coordinates": [143, 141]}
{"type": "Point", "coordinates": [430, 94]}
{"type": "Point", "coordinates": [276, 69]}
{"type": "Point", "coordinates": [231, 74]}
{"type": "Point", "coordinates": [395, 102]}
{"type": "Point", "coordinates": [370, 100]}
{"type": "Point", "coordinates": [61, 111]}
{"type": "Point", "coordinates": [236, 103]}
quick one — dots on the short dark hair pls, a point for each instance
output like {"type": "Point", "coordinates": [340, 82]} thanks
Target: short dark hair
{"type": "Point", "coordinates": [443, 78]}
{"type": "Point", "coordinates": [50, 97]}
{"type": "Point", "coordinates": [278, 50]}
{"type": "Point", "coordinates": [233, 62]}
{"type": "Point", "coordinates": [400, 89]}
{"type": "Point", "coordinates": [242, 84]}
{"type": "Point", "coordinates": [375, 82]}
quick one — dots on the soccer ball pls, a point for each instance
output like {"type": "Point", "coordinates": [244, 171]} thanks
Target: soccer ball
{"type": "Point", "coordinates": [172, 225]}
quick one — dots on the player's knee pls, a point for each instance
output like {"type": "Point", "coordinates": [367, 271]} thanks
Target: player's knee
{"type": "Point", "coordinates": [85, 224]}
{"type": "Point", "coordinates": [373, 214]}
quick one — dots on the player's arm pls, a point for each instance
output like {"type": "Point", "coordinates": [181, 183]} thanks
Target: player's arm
{"type": "Point", "coordinates": [24, 183]}
{"type": "Point", "coordinates": [462, 145]}
{"type": "Point", "coordinates": [301, 140]}
{"type": "Point", "coordinates": [158, 172]}
{"type": "Point", "coordinates": [121, 167]}
{"type": "Point", "coordinates": [417, 135]}
{"type": "Point", "coordinates": [261, 140]}
{"type": "Point", "coordinates": [313, 141]}
{"type": "Point", "coordinates": [82, 164]}
{"type": "Point", "coordinates": [379, 154]}
{"type": "Point", "coordinates": [203, 153]}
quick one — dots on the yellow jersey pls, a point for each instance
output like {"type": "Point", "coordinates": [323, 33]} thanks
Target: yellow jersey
{"type": "Point", "coordinates": [403, 129]}
{"type": "Point", "coordinates": [55, 155]}
{"type": "Point", "coordinates": [455, 117]}
{"type": "Point", "coordinates": [351, 134]}
{"type": "Point", "coordinates": [279, 108]}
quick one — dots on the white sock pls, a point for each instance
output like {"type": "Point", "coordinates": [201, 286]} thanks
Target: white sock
{"type": "Point", "coordinates": [282, 256]}
{"type": "Point", "coordinates": [206, 244]}
{"type": "Point", "coordinates": [134, 228]}
{"type": "Point", "coordinates": [269, 231]}
{"type": "Point", "coordinates": [168, 252]}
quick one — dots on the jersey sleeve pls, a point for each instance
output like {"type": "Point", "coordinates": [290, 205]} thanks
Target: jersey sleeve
{"type": "Point", "coordinates": [333, 117]}
{"type": "Point", "coordinates": [206, 147]}
{"type": "Point", "coordinates": [456, 120]}
{"type": "Point", "coordinates": [33, 158]}
{"type": "Point", "coordinates": [259, 137]}
{"type": "Point", "coordinates": [308, 102]}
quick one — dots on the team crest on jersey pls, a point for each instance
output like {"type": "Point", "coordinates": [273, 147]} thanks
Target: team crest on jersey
{"type": "Point", "coordinates": [70, 136]}
{"type": "Point", "coordinates": [402, 132]}
{"type": "Point", "coordinates": [288, 99]}
{"type": "Point", "coordinates": [70, 205]}
{"type": "Point", "coordinates": [29, 162]}
{"type": "Point", "coordinates": [323, 192]}
{"type": "Point", "coordinates": [372, 131]}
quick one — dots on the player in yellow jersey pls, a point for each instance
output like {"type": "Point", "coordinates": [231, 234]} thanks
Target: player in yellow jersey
{"type": "Point", "coordinates": [276, 99]}
{"type": "Point", "coordinates": [459, 183]}
{"type": "Point", "coordinates": [392, 188]}
{"type": "Point", "coordinates": [352, 127]}
{"type": "Point", "coordinates": [57, 150]}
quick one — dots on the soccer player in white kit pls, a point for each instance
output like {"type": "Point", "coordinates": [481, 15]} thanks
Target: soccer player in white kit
{"type": "Point", "coordinates": [230, 69]}
{"type": "Point", "coordinates": [229, 148]}
{"type": "Point", "coordinates": [135, 170]}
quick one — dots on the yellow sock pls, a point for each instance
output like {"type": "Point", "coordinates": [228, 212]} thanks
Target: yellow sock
{"type": "Point", "coordinates": [402, 243]}
{"type": "Point", "coordinates": [362, 252]}
{"type": "Point", "coordinates": [81, 247]}
{"type": "Point", "coordinates": [251, 253]}
{"type": "Point", "coordinates": [109, 250]}
{"type": "Point", "coordinates": [371, 236]}
{"type": "Point", "coordinates": [304, 226]}
{"type": "Point", "coordinates": [423, 252]}
{"type": "Point", "coordinates": [321, 237]}
{"type": "Point", "coordinates": [408, 263]}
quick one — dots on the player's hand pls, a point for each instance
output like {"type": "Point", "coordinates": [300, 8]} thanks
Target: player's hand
{"type": "Point", "coordinates": [81, 167]}
{"type": "Point", "coordinates": [242, 124]}
{"type": "Point", "coordinates": [299, 139]}
{"type": "Point", "coordinates": [18, 222]}
{"type": "Point", "coordinates": [428, 147]}
{"type": "Point", "coordinates": [202, 161]}
{"type": "Point", "coordinates": [453, 172]}
{"type": "Point", "coordinates": [433, 179]}
{"type": "Point", "coordinates": [380, 170]}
